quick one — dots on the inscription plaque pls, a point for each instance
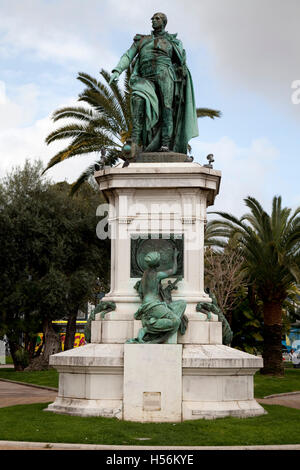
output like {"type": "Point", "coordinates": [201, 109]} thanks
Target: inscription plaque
{"type": "Point", "coordinates": [152, 401]}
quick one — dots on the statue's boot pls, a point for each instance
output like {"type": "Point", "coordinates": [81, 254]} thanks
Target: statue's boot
{"type": "Point", "coordinates": [167, 129]}
{"type": "Point", "coordinates": [138, 107]}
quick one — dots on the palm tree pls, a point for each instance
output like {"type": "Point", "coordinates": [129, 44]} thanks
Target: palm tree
{"type": "Point", "coordinates": [271, 248]}
{"type": "Point", "coordinates": [213, 235]}
{"type": "Point", "coordinates": [105, 123]}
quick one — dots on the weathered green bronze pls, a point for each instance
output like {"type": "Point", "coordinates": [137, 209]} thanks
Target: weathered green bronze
{"type": "Point", "coordinates": [213, 307]}
{"type": "Point", "coordinates": [165, 244]}
{"type": "Point", "coordinates": [103, 308]}
{"type": "Point", "coordinates": [160, 316]}
{"type": "Point", "coordinates": [163, 105]}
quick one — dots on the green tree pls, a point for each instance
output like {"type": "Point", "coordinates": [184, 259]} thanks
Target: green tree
{"type": "Point", "coordinates": [50, 258]}
{"type": "Point", "coordinates": [247, 323]}
{"type": "Point", "coordinates": [224, 277]}
{"type": "Point", "coordinates": [271, 249]}
{"type": "Point", "coordinates": [104, 122]}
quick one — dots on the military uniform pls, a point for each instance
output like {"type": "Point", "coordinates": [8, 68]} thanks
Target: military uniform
{"type": "Point", "coordinates": [154, 82]}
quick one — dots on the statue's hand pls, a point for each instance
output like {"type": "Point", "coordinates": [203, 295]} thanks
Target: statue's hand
{"type": "Point", "coordinates": [114, 77]}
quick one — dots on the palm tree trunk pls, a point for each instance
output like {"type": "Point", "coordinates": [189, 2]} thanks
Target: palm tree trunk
{"type": "Point", "coordinates": [272, 352]}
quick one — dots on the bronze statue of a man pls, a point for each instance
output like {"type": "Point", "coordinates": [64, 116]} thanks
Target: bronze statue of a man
{"type": "Point", "coordinates": [162, 103]}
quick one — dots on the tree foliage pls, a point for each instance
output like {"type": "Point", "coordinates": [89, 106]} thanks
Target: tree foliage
{"type": "Point", "coordinates": [224, 277]}
{"type": "Point", "coordinates": [270, 245]}
{"type": "Point", "coordinates": [50, 256]}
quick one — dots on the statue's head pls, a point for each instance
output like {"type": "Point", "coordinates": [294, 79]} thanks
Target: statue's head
{"type": "Point", "coordinates": [159, 20]}
{"type": "Point", "coordinates": [152, 259]}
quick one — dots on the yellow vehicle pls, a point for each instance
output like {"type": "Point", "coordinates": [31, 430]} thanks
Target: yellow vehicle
{"type": "Point", "coordinates": [79, 335]}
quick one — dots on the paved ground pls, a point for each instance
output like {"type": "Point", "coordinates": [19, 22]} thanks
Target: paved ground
{"type": "Point", "coordinates": [15, 394]}
{"type": "Point", "coordinates": [291, 400]}
{"type": "Point", "coordinates": [12, 393]}
{"type": "Point", "coordinates": [10, 445]}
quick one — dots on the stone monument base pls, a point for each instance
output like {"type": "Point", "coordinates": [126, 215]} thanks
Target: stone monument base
{"type": "Point", "coordinates": [162, 157]}
{"type": "Point", "coordinates": [163, 197]}
{"type": "Point", "coordinates": [156, 382]}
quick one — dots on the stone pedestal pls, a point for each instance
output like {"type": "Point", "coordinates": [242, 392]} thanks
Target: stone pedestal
{"type": "Point", "coordinates": [90, 381]}
{"type": "Point", "coordinates": [146, 396]}
{"type": "Point", "coordinates": [193, 376]}
{"type": "Point", "coordinates": [157, 200]}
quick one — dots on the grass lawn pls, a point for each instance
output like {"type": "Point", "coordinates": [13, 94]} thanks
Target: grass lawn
{"type": "Point", "coordinates": [30, 423]}
{"type": "Point", "coordinates": [268, 385]}
{"type": "Point", "coordinates": [47, 378]}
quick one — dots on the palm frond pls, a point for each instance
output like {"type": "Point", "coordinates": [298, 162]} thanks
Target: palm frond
{"type": "Point", "coordinates": [93, 84]}
{"type": "Point", "coordinates": [207, 112]}
{"type": "Point", "coordinates": [85, 176]}
{"type": "Point", "coordinates": [71, 151]}
{"type": "Point", "coordinates": [105, 105]}
{"type": "Point", "coordinates": [80, 113]}
{"type": "Point", "coordinates": [65, 132]}
{"type": "Point", "coordinates": [118, 94]}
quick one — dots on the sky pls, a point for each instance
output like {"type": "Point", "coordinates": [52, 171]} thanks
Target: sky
{"type": "Point", "coordinates": [244, 57]}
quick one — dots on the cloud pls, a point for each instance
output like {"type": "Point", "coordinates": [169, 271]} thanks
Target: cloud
{"type": "Point", "coordinates": [253, 45]}
{"type": "Point", "coordinates": [54, 31]}
{"type": "Point", "coordinates": [246, 171]}
{"type": "Point", "coordinates": [22, 109]}
{"type": "Point", "coordinates": [19, 144]}
{"type": "Point", "coordinates": [22, 137]}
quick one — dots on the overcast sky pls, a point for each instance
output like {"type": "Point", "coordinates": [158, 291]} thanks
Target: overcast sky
{"type": "Point", "coordinates": [244, 57]}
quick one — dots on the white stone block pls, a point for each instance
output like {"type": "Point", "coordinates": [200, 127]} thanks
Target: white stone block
{"type": "Point", "coordinates": [85, 408]}
{"type": "Point", "coordinates": [237, 387]}
{"type": "Point", "coordinates": [213, 410]}
{"type": "Point", "coordinates": [116, 331]}
{"type": "Point", "coordinates": [215, 332]}
{"type": "Point", "coordinates": [209, 357]}
{"type": "Point", "coordinates": [202, 332]}
{"type": "Point", "coordinates": [88, 356]}
{"type": "Point", "coordinates": [152, 382]}
{"type": "Point", "coordinates": [72, 385]}
{"type": "Point", "coordinates": [96, 331]}
{"type": "Point", "coordinates": [107, 385]}
{"type": "Point", "coordinates": [197, 332]}
{"type": "Point", "coordinates": [218, 387]}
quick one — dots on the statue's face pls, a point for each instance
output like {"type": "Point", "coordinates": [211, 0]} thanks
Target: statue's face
{"type": "Point", "coordinates": [157, 21]}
